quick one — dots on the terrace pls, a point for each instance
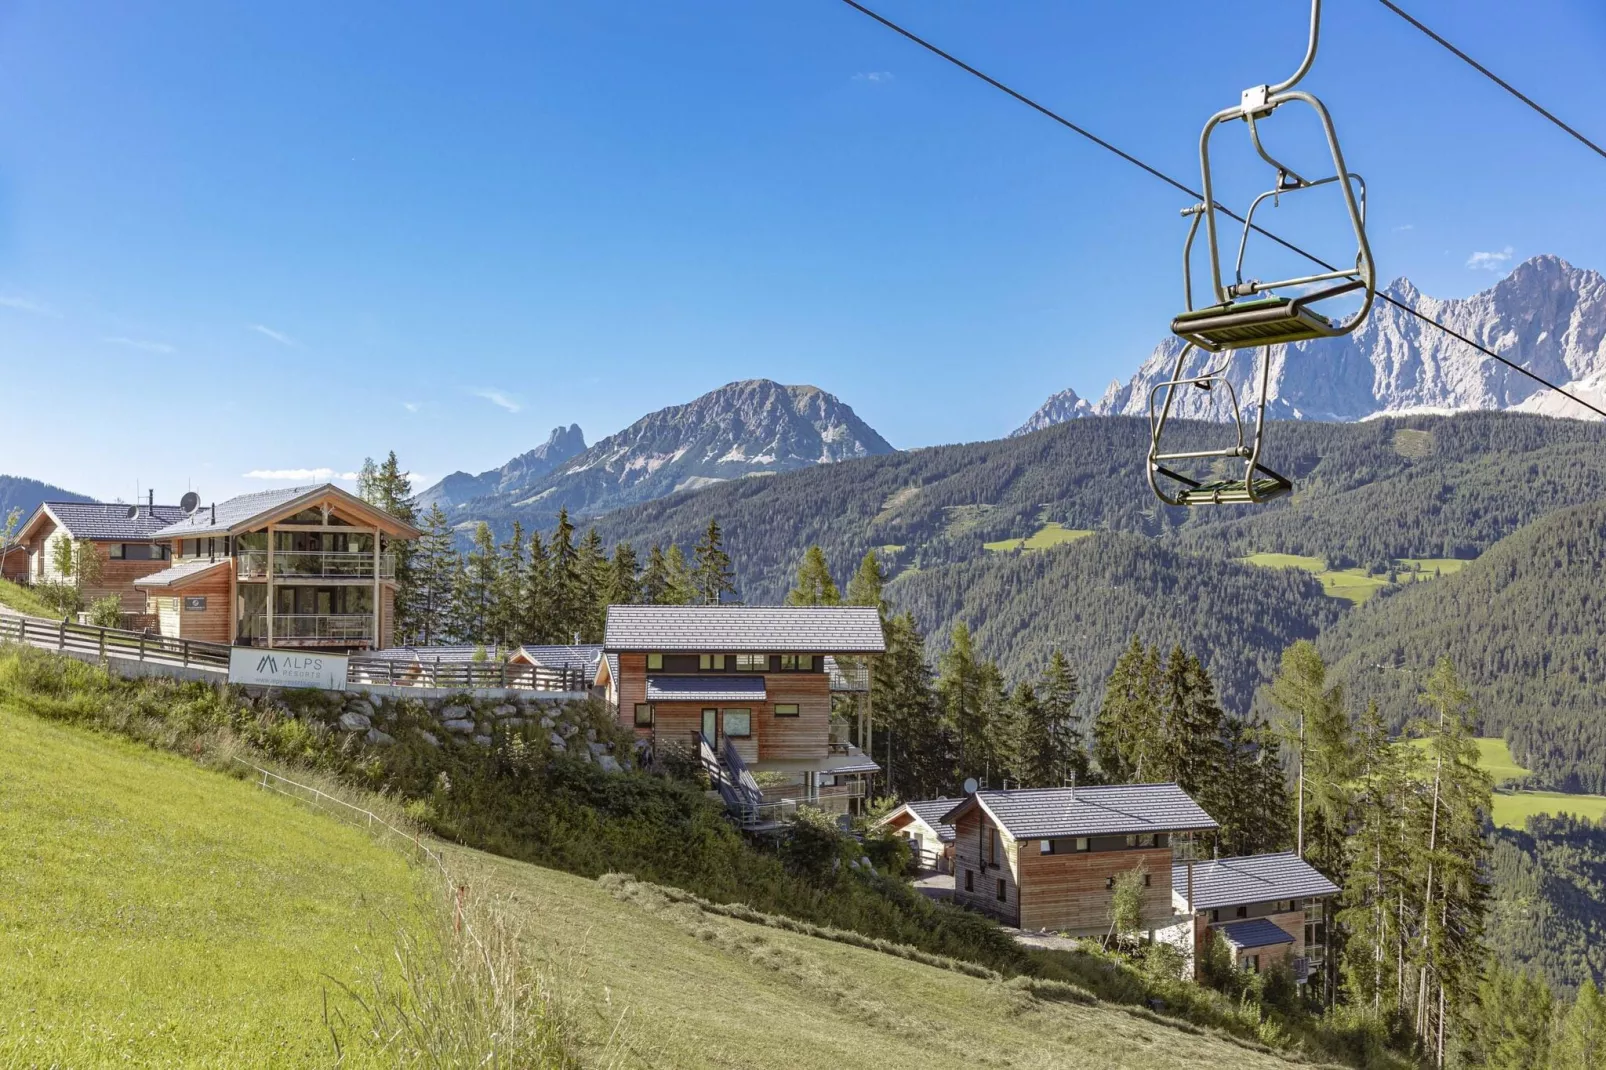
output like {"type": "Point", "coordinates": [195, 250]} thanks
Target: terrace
{"type": "Point", "coordinates": [330, 565]}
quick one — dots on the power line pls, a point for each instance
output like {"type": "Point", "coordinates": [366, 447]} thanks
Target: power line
{"type": "Point", "coordinates": [1492, 76]}
{"type": "Point", "coordinates": [1196, 195]}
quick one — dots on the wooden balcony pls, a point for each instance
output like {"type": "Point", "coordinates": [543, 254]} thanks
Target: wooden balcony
{"type": "Point", "coordinates": [320, 565]}
{"type": "Point", "coordinates": [317, 629]}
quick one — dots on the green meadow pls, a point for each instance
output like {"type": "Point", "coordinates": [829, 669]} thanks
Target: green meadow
{"type": "Point", "coordinates": [1356, 584]}
{"type": "Point", "coordinates": [1513, 808]}
{"type": "Point", "coordinates": [1050, 534]}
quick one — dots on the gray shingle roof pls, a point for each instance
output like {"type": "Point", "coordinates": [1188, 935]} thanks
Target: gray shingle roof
{"type": "Point", "coordinates": [1250, 879]}
{"type": "Point", "coordinates": [246, 507]}
{"type": "Point", "coordinates": [1048, 813]}
{"type": "Point", "coordinates": [767, 629]}
{"type": "Point", "coordinates": [705, 688]}
{"type": "Point", "coordinates": [582, 656]}
{"type": "Point", "coordinates": [1256, 932]}
{"type": "Point", "coordinates": [932, 811]}
{"type": "Point", "coordinates": [170, 577]}
{"type": "Point", "coordinates": [110, 522]}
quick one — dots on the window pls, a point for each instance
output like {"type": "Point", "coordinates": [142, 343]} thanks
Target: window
{"type": "Point", "coordinates": [786, 709]}
{"type": "Point", "coordinates": [970, 881]}
{"type": "Point", "coordinates": [1109, 884]}
{"type": "Point", "coordinates": [752, 663]}
{"type": "Point", "coordinates": [991, 835]}
{"type": "Point", "coordinates": [1083, 843]}
{"type": "Point", "coordinates": [643, 715]}
{"type": "Point", "coordinates": [1002, 889]}
{"type": "Point", "coordinates": [1284, 906]}
{"type": "Point", "coordinates": [1045, 847]}
{"type": "Point", "coordinates": [1142, 839]}
{"type": "Point", "coordinates": [118, 551]}
{"type": "Point", "coordinates": [714, 662]}
{"type": "Point", "coordinates": [655, 661]}
{"type": "Point", "coordinates": [1241, 912]}
{"type": "Point", "coordinates": [1146, 877]}
{"type": "Point", "coordinates": [797, 662]}
{"type": "Point", "coordinates": [1215, 916]}
{"type": "Point", "coordinates": [738, 722]}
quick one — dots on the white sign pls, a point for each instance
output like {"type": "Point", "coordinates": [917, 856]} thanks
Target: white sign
{"type": "Point", "coordinates": [287, 668]}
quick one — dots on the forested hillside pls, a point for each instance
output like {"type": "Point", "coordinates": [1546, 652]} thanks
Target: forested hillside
{"type": "Point", "coordinates": [1549, 909]}
{"type": "Point", "coordinates": [24, 495]}
{"type": "Point", "coordinates": [1523, 625]}
{"type": "Point", "coordinates": [1088, 599]}
{"type": "Point", "coordinates": [1413, 487]}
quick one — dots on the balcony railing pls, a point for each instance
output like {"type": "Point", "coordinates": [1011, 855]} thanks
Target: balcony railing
{"type": "Point", "coordinates": [332, 627]}
{"type": "Point", "coordinates": [314, 565]}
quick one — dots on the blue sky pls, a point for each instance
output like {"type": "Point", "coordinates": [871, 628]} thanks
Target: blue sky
{"type": "Point", "coordinates": [261, 238]}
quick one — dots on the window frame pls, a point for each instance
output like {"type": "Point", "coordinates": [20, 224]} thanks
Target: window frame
{"type": "Point", "coordinates": [1003, 888]}
{"type": "Point", "coordinates": [652, 715]}
{"type": "Point", "coordinates": [970, 880]}
{"type": "Point", "coordinates": [752, 663]}
{"type": "Point", "coordinates": [787, 709]}
{"type": "Point", "coordinates": [655, 663]}
{"type": "Point", "coordinates": [710, 662]}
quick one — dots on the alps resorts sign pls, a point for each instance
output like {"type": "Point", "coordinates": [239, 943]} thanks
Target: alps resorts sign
{"type": "Point", "coordinates": [287, 668]}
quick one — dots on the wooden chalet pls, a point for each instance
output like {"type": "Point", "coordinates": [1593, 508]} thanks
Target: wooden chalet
{"type": "Point", "coordinates": [930, 838]}
{"type": "Point", "coordinates": [751, 682]}
{"type": "Point", "coordinates": [307, 567]}
{"type": "Point", "coordinates": [122, 536]}
{"type": "Point", "coordinates": [1268, 908]}
{"type": "Point", "coordinates": [1047, 858]}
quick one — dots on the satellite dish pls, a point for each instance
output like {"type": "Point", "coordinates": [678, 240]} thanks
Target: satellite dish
{"type": "Point", "coordinates": [133, 511]}
{"type": "Point", "coordinates": [971, 785]}
{"type": "Point", "coordinates": [190, 502]}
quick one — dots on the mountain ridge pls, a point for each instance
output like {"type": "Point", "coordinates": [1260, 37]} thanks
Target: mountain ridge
{"type": "Point", "coordinates": [1546, 315]}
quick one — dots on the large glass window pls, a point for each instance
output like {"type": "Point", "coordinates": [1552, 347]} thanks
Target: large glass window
{"type": "Point", "coordinates": [797, 662]}
{"type": "Point", "coordinates": [752, 663]}
{"type": "Point", "coordinates": [786, 709]}
{"type": "Point", "coordinates": [711, 662]}
{"type": "Point", "coordinates": [643, 715]}
{"type": "Point", "coordinates": [738, 723]}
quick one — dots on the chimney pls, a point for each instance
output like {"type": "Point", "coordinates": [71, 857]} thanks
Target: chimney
{"type": "Point", "coordinates": [214, 512]}
{"type": "Point", "coordinates": [150, 502]}
{"type": "Point", "coordinates": [1073, 785]}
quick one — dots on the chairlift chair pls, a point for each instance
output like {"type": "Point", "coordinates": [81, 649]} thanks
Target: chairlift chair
{"type": "Point", "coordinates": [1248, 313]}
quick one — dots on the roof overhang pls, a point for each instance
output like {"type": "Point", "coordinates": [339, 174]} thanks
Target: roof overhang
{"type": "Point", "coordinates": [705, 689]}
{"type": "Point", "coordinates": [171, 579]}
{"type": "Point", "coordinates": [377, 517]}
{"type": "Point", "coordinates": [36, 519]}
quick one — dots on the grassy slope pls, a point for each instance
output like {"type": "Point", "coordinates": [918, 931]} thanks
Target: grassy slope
{"type": "Point", "coordinates": [23, 600]}
{"type": "Point", "coordinates": [1356, 584]}
{"type": "Point", "coordinates": [153, 913]}
{"type": "Point", "coordinates": [683, 988]}
{"type": "Point", "coordinates": [1052, 533]}
{"type": "Point", "coordinates": [1512, 809]}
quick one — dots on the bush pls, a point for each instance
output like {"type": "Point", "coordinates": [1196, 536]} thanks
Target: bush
{"type": "Point", "coordinates": [107, 612]}
{"type": "Point", "coordinates": [62, 598]}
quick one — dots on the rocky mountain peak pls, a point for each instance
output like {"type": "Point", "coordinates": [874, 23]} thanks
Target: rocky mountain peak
{"type": "Point", "coordinates": [1066, 405]}
{"type": "Point", "coordinates": [1546, 315]}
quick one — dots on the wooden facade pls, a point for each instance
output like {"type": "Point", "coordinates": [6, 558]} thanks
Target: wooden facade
{"type": "Point", "coordinates": [33, 559]}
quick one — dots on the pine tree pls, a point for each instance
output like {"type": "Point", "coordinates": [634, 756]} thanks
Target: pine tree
{"type": "Point", "coordinates": [712, 578]}
{"type": "Point", "coordinates": [1126, 731]}
{"type": "Point", "coordinates": [1375, 868]}
{"type": "Point", "coordinates": [535, 594]}
{"type": "Point", "coordinates": [867, 584]}
{"type": "Point", "coordinates": [1315, 728]}
{"type": "Point", "coordinates": [681, 591]}
{"type": "Point", "coordinates": [1051, 746]}
{"type": "Point", "coordinates": [476, 589]}
{"type": "Point", "coordinates": [655, 580]}
{"type": "Point", "coordinates": [814, 584]}
{"type": "Point", "coordinates": [565, 588]}
{"type": "Point", "coordinates": [504, 620]}
{"type": "Point", "coordinates": [1510, 1025]}
{"type": "Point", "coordinates": [595, 578]}
{"type": "Point", "coordinates": [1581, 1040]}
{"type": "Point", "coordinates": [1189, 751]}
{"type": "Point", "coordinates": [387, 487]}
{"type": "Point", "coordinates": [911, 741]}
{"type": "Point", "coordinates": [1249, 798]}
{"type": "Point", "coordinates": [433, 594]}
{"type": "Point", "coordinates": [624, 586]}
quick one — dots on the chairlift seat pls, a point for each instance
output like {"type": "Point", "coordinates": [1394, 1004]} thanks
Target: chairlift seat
{"type": "Point", "coordinates": [1234, 492]}
{"type": "Point", "coordinates": [1264, 321]}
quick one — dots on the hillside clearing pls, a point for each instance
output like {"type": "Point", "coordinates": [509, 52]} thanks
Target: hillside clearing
{"type": "Point", "coordinates": [1512, 809]}
{"type": "Point", "coordinates": [152, 913]}
{"type": "Point", "coordinates": [1050, 534]}
{"type": "Point", "coordinates": [657, 984]}
{"type": "Point", "coordinates": [15, 596]}
{"type": "Point", "coordinates": [1357, 584]}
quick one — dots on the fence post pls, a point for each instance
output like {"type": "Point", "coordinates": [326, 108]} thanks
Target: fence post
{"type": "Point", "coordinates": [184, 651]}
{"type": "Point", "coordinates": [504, 674]}
{"type": "Point", "coordinates": [61, 635]}
{"type": "Point", "coordinates": [103, 644]}
{"type": "Point", "coordinates": [143, 632]}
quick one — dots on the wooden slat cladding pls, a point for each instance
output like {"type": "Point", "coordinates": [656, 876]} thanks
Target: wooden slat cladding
{"type": "Point", "coordinates": [214, 624]}
{"type": "Point", "coordinates": [1068, 892]}
{"type": "Point", "coordinates": [976, 856]}
{"type": "Point", "coordinates": [804, 736]}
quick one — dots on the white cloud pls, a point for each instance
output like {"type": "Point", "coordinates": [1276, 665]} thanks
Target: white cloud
{"type": "Point", "coordinates": [498, 398]}
{"type": "Point", "coordinates": [412, 406]}
{"type": "Point", "coordinates": [135, 343]}
{"type": "Point", "coordinates": [1490, 261]}
{"type": "Point", "coordinates": [1405, 226]}
{"type": "Point", "coordinates": [28, 304]}
{"type": "Point", "coordinates": [316, 475]}
{"type": "Point", "coordinates": [269, 332]}
{"type": "Point", "coordinates": [873, 76]}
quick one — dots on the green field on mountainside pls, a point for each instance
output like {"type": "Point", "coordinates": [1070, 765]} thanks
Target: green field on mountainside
{"type": "Point", "coordinates": [1513, 808]}
{"type": "Point", "coordinates": [1050, 534]}
{"type": "Point", "coordinates": [1359, 584]}
{"type": "Point", "coordinates": [648, 982]}
{"type": "Point", "coordinates": [153, 913]}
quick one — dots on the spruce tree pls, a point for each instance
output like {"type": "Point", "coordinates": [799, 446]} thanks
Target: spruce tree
{"type": "Point", "coordinates": [712, 578]}
{"type": "Point", "coordinates": [565, 587]}
{"type": "Point", "coordinates": [535, 606]}
{"type": "Point", "coordinates": [1126, 736]}
{"type": "Point", "coordinates": [681, 591]}
{"type": "Point", "coordinates": [387, 487]}
{"type": "Point", "coordinates": [504, 618]}
{"type": "Point", "coordinates": [655, 580]}
{"type": "Point", "coordinates": [476, 592]}
{"type": "Point", "coordinates": [867, 584]}
{"type": "Point", "coordinates": [911, 741]}
{"type": "Point", "coordinates": [594, 578]}
{"type": "Point", "coordinates": [1581, 1040]}
{"type": "Point", "coordinates": [1051, 745]}
{"type": "Point", "coordinates": [1316, 729]}
{"type": "Point", "coordinates": [814, 584]}
{"type": "Point", "coordinates": [433, 594]}
{"type": "Point", "coordinates": [624, 585]}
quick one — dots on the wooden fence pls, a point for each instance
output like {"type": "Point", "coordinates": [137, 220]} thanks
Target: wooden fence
{"type": "Point", "coordinates": [463, 675]}
{"type": "Point", "coordinates": [113, 643]}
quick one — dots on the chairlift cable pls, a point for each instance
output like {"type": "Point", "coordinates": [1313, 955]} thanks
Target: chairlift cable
{"type": "Point", "coordinates": [1492, 76]}
{"type": "Point", "coordinates": [1197, 196]}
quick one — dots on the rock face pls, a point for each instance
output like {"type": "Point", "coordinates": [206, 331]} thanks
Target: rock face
{"type": "Point", "coordinates": [748, 428]}
{"type": "Point", "coordinates": [522, 471]}
{"type": "Point", "coordinates": [1058, 409]}
{"type": "Point", "coordinates": [1547, 315]}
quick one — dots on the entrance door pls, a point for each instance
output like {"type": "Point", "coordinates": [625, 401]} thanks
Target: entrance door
{"type": "Point", "coordinates": [711, 726]}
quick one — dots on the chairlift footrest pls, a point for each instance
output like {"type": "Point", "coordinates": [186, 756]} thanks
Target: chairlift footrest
{"type": "Point", "coordinates": [1236, 491]}
{"type": "Point", "coordinates": [1246, 324]}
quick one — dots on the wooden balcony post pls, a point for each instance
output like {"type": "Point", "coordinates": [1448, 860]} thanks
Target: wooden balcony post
{"type": "Point", "coordinates": [378, 640]}
{"type": "Point", "coordinates": [270, 606]}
